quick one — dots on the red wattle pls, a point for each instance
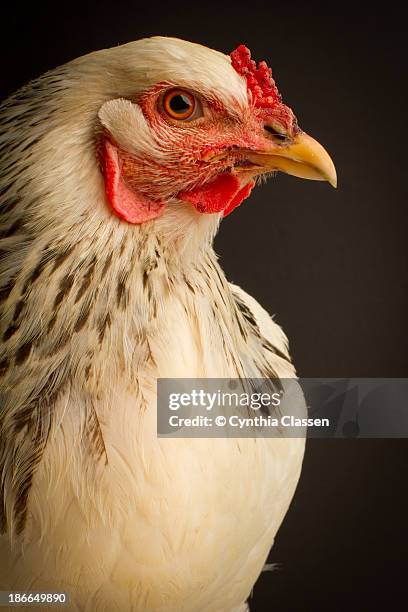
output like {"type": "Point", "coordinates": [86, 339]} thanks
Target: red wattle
{"type": "Point", "coordinates": [128, 204]}
{"type": "Point", "coordinates": [239, 198]}
{"type": "Point", "coordinates": [223, 193]}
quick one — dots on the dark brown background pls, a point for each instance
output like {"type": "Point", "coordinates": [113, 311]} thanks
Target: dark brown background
{"type": "Point", "coordinates": [332, 265]}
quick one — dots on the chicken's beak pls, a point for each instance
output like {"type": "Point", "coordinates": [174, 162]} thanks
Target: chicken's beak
{"type": "Point", "coordinates": [303, 157]}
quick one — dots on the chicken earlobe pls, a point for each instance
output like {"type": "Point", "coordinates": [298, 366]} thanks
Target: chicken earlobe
{"type": "Point", "coordinates": [127, 203]}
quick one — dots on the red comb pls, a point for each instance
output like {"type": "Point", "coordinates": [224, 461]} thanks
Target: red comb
{"type": "Point", "coordinates": [259, 79]}
{"type": "Point", "coordinates": [262, 88]}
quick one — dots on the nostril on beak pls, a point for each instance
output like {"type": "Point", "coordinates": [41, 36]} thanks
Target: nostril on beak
{"type": "Point", "coordinates": [277, 135]}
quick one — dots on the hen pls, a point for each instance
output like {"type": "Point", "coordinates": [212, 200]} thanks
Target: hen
{"type": "Point", "coordinates": [115, 171]}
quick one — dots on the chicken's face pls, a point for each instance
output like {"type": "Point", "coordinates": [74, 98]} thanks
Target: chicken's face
{"type": "Point", "coordinates": [202, 135]}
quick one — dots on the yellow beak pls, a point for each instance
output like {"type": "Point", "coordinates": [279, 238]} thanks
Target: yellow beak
{"type": "Point", "coordinates": [303, 157]}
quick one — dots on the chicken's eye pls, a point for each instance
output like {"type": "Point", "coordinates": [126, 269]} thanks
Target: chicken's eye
{"type": "Point", "coordinates": [181, 104]}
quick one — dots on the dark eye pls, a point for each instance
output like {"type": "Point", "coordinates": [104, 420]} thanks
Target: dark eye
{"type": "Point", "coordinates": [181, 104]}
